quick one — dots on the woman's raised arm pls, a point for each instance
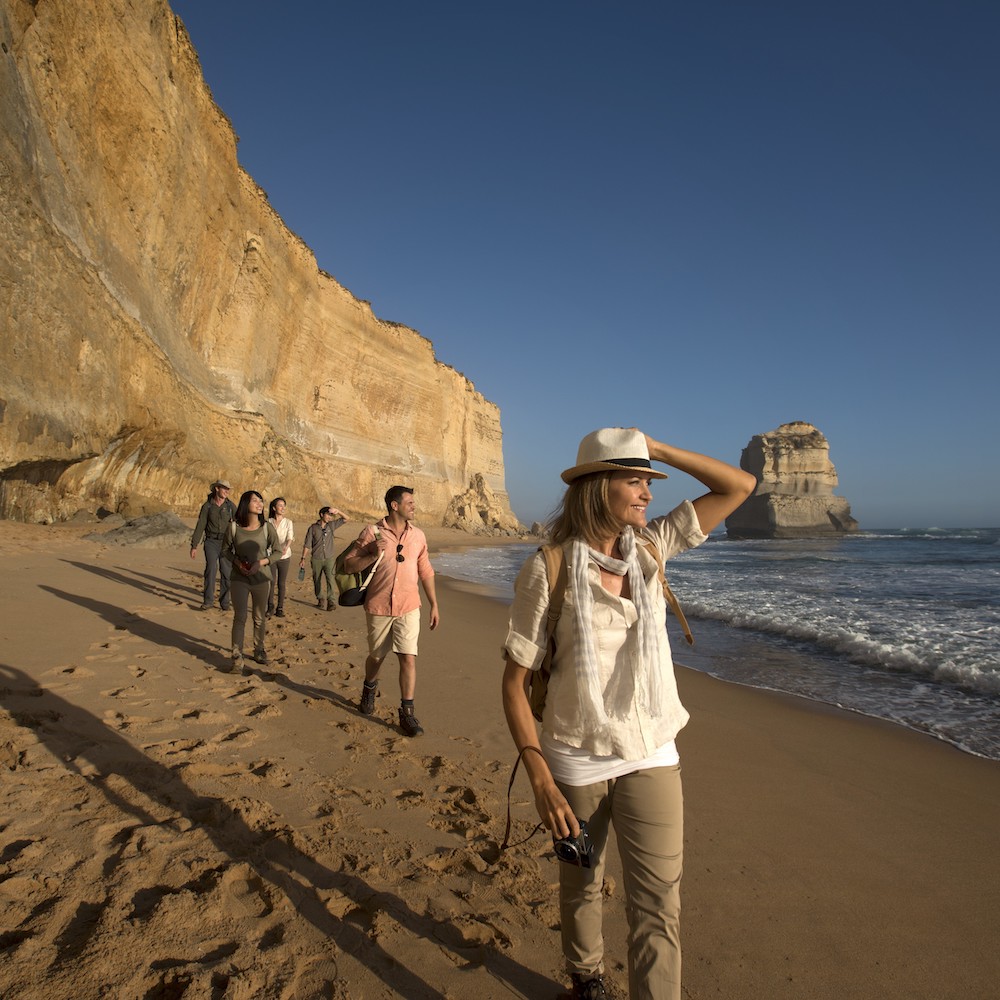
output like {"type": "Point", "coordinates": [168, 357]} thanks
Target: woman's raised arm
{"type": "Point", "coordinates": [728, 486]}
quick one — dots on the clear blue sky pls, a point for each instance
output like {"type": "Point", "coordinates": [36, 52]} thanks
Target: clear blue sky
{"type": "Point", "coordinates": [705, 219]}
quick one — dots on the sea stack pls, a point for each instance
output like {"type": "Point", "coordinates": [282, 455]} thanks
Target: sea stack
{"type": "Point", "coordinates": [795, 481]}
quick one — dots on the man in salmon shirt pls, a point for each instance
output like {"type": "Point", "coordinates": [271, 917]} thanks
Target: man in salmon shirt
{"type": "Point", "coordinates": [392, 601]}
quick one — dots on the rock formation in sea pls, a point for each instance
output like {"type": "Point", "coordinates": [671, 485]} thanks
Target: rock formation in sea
{"type": "Point", "coordinates": [162, 327]}
{"type": "Point", "coordinates": [795, 482]}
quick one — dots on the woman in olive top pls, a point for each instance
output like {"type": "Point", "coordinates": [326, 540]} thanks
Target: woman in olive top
{"type": "Point", "coordinates": [250, 543]}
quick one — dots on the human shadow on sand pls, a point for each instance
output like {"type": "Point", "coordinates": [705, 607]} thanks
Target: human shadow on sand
{"type": "Point", "coordinates": [310, 691]}
{"type": "Point", "coordinates": [155, 586]}
{"type": "Point", "coordinates": [129, 621]}
{"type": "Point", "coordinates": [84, 745]}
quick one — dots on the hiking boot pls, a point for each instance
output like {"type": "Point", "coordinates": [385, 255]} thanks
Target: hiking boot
{"type": "Point", "coordinates": [260, 656]}
{"type": "Point", "coordinates": [589, 987]}
{"type": "Point", "coordinates": [206, 607]}
{"type": "Point", "coordinates": [237, 659]}
{"type": "Point", "coordinates": [408, 722]}
{"type": "Point", "coordinates": [321, 604]}
{"type": "Point", "coordinates": [270, 611]}
{"type": "Point", "coordinates": [280, 613]}
{"type": "Point", "coordinates": [367, 706]}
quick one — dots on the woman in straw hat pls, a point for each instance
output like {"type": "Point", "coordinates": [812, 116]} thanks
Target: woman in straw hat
{"type": "Point", "coordinates": [606, 753]}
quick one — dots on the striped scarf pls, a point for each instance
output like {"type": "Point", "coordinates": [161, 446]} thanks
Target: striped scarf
{"type": "Point", "coordinates": [645, 671]}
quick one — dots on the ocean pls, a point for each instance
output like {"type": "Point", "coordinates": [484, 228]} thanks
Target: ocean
{"type": "Point", "coordinates": [901, 625]}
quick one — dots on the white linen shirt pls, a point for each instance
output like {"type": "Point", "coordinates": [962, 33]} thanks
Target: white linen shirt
{"type": "Point", "coordinates": [286, 535]}
{"type": "Point", "coordinates": [639, 734]}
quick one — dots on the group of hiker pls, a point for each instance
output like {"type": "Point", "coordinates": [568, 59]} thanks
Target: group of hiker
{"type": "Point", "coordinates": [249, 555]}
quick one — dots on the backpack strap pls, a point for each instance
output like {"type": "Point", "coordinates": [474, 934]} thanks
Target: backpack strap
{"type": "Point", "coordinates": [668, 594]}
{"type": "Point", "coordinates": [555, 570]}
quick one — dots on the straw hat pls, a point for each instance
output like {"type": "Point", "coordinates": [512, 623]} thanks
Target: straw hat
{"type": "Point", "coordinates": [224, 483]}
{"type": "Point", "coordinates": [615, 449]}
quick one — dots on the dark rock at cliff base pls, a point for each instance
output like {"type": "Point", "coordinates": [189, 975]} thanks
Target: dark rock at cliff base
{"type": "Point", "coordinates": [153, 531]}
{"type": "Point", "coordinates": [795, 481]}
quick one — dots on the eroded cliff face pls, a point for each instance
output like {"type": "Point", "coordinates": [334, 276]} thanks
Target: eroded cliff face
{"type": "Point", "coordinates": [162, 326]}
{"type": "Point", "coordinates": [795, 482]}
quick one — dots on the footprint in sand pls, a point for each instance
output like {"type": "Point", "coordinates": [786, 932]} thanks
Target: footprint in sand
{"type": "Point", "coordinates": [408, 798]}
{"type": "Point", "coordinates": [200, 715]}
{"type": "Point", "coordinates": [460, 812]}
{"type": "Point", "coordinates": [73, 671]}
{"type": "Point", "coordinates": [275, 774]}
{"type": "Point", "coordinates": [316, 980]}
{"type": "Point", "coordinates": [122, 692]}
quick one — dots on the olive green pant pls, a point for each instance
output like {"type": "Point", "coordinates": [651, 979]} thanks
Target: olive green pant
{"type": "Point", "coordinates": [646, 809]}
{"type": "Point", "coordinates": [244, 593]}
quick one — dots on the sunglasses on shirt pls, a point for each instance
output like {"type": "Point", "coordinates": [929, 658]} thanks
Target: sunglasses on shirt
{"type": "Point", "coordinates": [399, 553]}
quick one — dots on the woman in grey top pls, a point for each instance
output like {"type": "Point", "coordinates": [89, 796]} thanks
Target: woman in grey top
{"type": "Point", "coordinates": [606, 753]}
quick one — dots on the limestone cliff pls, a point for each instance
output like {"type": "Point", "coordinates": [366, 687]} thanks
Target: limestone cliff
{"type": "Point", "coordinates": [162, 326]}
{"type": "Point", "coordinates": [795, 482]}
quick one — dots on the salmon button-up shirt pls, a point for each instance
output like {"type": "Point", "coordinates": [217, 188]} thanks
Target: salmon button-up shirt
{"type": "Point", "coordinates": [394, 589]}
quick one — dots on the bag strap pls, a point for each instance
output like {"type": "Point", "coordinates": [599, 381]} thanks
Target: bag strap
{"type": "Point", "coordinates": [555, 571]}
{"type": "Point", "coordinates": [668, 594]}
{"type": "Point", "coordinates": [368, 579]}
{"type": "Point", "coordinates": [506, 836]}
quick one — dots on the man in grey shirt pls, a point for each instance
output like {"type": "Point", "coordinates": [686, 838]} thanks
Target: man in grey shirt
{"type": "Point", "coordinates": [319, 543]}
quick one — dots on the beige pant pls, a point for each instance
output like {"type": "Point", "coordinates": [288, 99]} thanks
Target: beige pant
{"type": "Point", "coordinates": [393, 634]}
{"type": "Point", "coordinates": [646, 808]}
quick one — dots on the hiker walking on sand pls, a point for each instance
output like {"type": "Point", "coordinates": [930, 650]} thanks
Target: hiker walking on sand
{"type": "Point", "coordinates": [392, 601]}
{"type": "Point", "coordinates": [213, 520]}
{"type": "Point", "coordinates": [286, 535]}
{"type": "Point", "coordinates": [319, 545]}
{"type": "Point", "coordinates": [606, 754]}
{"type": "Point", "coordinates": [252, 544]}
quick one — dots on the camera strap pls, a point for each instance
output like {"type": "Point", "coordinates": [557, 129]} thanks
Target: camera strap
{"type": "Point", "coordinates": [506, 837]}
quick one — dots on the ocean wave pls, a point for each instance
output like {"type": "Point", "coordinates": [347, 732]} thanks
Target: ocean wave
{"type": "Point", "coordinates": [977, 669]}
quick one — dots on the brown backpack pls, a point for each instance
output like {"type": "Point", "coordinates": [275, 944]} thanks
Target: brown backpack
{"type": "Point", "coordinates": [555, 570]}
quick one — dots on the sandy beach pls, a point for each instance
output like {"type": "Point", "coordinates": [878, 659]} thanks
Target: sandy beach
{"type": "Point", "coordinates": [169, 830]}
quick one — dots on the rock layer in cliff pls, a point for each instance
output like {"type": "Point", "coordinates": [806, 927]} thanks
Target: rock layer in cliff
{"type": "Point", "coordinates": [162, 326]}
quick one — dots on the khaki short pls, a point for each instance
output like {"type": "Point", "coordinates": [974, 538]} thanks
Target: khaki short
{"type": "Point", "coordinates": [391, 634]}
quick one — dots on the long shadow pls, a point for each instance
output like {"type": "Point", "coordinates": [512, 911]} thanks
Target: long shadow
{"type": "Point", "coordinates": [156, 587]}
{"type": "Point", "coordinates": [194, 588]}
{"type": "Point", "coordinates": [349, 706]}
{"type": "Point", "coordinates": [153, 632]}
{"type": "Point", "coordinates": [73, 735]}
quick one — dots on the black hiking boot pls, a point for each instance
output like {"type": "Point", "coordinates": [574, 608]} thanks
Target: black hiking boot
{"type": "Point", "coordinates": [589, 987]}
{"type": "Point", "coordinates": [408, 721]}
{"type": "Point", "coordinates": [368, 692]}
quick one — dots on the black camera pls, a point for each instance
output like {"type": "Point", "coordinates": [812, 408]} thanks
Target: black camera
{"type": "Point", "coordinates": [577, 851]}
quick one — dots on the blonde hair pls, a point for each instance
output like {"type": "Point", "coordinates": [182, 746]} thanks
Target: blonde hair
{"type": "Point", "coordinates": [584, 511]}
